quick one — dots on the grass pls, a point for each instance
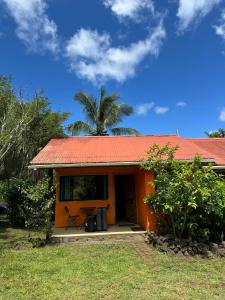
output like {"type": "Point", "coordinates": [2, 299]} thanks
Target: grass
{"type": "Point", "coordinates": [11, 238]}
{"type": "Point", "coordinates": [105, 271]}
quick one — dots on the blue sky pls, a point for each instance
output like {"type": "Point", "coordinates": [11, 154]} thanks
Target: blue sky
{"type": "Point", "coordinates": [165, 58]}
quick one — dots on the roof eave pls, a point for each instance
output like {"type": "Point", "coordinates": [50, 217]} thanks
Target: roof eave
{"type": "Point", "coordinates": [98, 164]}
{"type": "Point", "coordinates": [82, 165]}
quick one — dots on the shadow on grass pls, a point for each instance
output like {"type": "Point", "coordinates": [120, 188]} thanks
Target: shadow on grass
{"type": "Point", "coordinates": [18, 238]}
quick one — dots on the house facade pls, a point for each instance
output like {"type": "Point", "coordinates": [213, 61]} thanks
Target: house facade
{"type": "Point", "coordinates": [104, 172]}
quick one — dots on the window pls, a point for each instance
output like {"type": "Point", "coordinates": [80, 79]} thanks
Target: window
{"type": "Point", "coordinates": [81, 188]}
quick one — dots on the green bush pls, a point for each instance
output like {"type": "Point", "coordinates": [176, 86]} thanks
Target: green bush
{"type": "Point", "coordinates": [11, 191]}
{"type": "Point", "coordinates": [190, 196]}
{"type": "Point", "coordinates": [31, 204]}
{"type": "Point", "coordinates": [38, 205]}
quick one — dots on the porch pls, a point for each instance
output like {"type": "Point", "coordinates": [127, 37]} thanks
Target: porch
{"type": "Point", "coordinates": [81, 192]}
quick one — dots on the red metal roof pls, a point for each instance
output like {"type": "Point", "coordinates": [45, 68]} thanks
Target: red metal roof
{"type": "Point", "coordinates": [113, 149]}
{"type": "Point", "coordinates": [216, 146]}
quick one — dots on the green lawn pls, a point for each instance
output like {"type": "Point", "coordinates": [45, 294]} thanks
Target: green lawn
{"type": "Point", "coordinates": [105, 271]}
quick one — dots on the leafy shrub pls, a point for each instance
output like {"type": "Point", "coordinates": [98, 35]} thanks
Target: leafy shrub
{"type": "Point", "coordinates": [11, 189]}
{"type": "Point", "coordinates": [191, 196]}
{"type": "Point", "coordinates": [31, 204]}
{"type": "Point", "coordinates": [38, 205]}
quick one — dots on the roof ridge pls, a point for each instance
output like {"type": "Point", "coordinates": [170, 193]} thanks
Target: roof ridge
{"type": "Point", "coordinates": [116, 136]}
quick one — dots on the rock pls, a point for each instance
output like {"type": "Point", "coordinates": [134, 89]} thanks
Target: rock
{"type": "Point", "coordinates": [170, 251]}
{"type": "Point", "coordinates": [221, 252]}
{"type": "Point", "coordinates": [191, 253]}
{"type": "Point", "coordinates": [180, 254]}
{"type": "Point", "coordinates": [208, 254]}
{"type": "Point", "coordinates": [223, 244]}
{"type": "Point", "coordinates": [176, 250]}
{"type": "Point", "coordinates": [159, 242]}
{"type": "Point", "coordinates": [164, 248]}
{"type": "Point", "coordinates": [168, 237]}
{"type": "Point", "coordinates": [195, 249]}
{"type": "Point", "coordinates": [213, 247]}
{"type": "Point", "coordinates": [184, 247]}
{"type": "Point", "coordinates": [172, 246]}
{"type": "Point", "coordinates": [202, 248]}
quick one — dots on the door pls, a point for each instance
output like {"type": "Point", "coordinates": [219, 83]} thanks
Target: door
{"type": "Point", "coordinates": [125, 197]}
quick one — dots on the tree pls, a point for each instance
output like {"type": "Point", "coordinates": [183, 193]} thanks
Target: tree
{"type": "Point", "coordinates": [220, 133]}
{"type": "Point", "coordinates": [25, 127]}
{"type": "Point", "coordinates": [14, 118]}
{"type": "Point", "coordinates": [102, 115]}
{"type": "Point", "coordinates": [189, 195]}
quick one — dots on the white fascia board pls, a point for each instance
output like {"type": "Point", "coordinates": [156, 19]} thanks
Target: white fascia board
{"type": "Point", "coordinates": [100, 164]}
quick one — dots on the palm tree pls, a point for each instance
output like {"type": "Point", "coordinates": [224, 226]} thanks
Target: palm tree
{"type": "Point", "coordinates": [102, 115]}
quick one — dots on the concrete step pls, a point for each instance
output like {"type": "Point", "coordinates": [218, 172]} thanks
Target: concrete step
{"type": "Point", "coordinates": [98, 237]}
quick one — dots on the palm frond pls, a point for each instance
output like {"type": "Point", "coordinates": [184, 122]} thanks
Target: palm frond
{"type": "Point", "coordinates": [124, 131]}
{"type": "Point", "coordinates": [125, 109]}
{"type": "Point", "coordinates": [80, 126]}
{"type": "Point", "coordinates": [89, 106]}
{"type": "Point", "coordinates": [106, 106]}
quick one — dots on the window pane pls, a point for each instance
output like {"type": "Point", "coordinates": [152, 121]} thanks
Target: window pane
{"type": "Point", "coordinates": [88, 187]}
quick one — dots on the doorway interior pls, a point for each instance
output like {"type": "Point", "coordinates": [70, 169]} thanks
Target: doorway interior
{"type": "Point", "coordinates": [125, 199]}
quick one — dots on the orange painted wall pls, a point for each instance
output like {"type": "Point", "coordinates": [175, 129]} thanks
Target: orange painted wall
{"type": "Point", "coordinates": [144, 215]}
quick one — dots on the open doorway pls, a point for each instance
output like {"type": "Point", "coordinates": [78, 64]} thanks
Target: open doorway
{"type": "Point", "coordinates": [125, 199]}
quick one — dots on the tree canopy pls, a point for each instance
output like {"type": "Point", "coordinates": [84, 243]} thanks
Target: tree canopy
{"type": "Point", "coordinates": [220, 133]}
{"type": "Point", "coordinates": [102, 115]}
{"type": "Point", "coordinates": [190, 196]}
{"type": "Point", "coordinates": [25, 127]}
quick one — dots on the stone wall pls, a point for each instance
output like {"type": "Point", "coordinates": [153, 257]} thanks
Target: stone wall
{"type": "Point", "coordinates": [184, 247]}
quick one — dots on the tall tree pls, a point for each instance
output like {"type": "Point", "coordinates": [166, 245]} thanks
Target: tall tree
{"type": "Point", "coordinates": [102, 115]}
{"type": "Point", "coordinates": [25, 127]}
{"type": "Point", "coordinates": [220, 133]}
{"type": "Point", "coordinates": [14, 117]}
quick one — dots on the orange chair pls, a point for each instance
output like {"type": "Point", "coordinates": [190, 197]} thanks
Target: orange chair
{"type": "Point", "coordinates": [72, 219]}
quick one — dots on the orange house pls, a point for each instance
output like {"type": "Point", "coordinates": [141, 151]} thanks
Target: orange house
{"type": "Point", "coordinates": [104, 172]}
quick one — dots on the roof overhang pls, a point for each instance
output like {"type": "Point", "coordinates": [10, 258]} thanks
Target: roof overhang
{"type": "Point", "coordinates": [218, 167]}
{"type": "Point", "coordinates": [99, 164]}
{"type": "Point", "coordinates": [83, 165]}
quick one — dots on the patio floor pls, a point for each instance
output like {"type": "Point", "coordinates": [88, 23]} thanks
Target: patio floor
{"type": "Point", "coordinates": [79, 232]}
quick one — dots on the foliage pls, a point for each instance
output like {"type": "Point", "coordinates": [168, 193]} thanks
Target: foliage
{"type": "Point", "coordinates": [25, 127]}
{"type": "Point", "coordinates": [102, 115]}
{"type": "Point", "coordinates": [38, 205]}
{"type": "Point", "coordinates": [14, 118]}
{"type": "Point", "coordinates": [191, 196]}
{"type": "Point", "coordinates": [11, 191]}
{"type": "Point", "coordinates": [31, 204]}
{"type": "Point", "coordinates": [220, 133]}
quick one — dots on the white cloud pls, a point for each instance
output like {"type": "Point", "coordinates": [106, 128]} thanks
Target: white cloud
{"type": "Point", "coordinates": [34, 28]}
{"type": "Point", "coordinates": [220, 28]}
{"type": "Point", "coordinates": [181, 104]}
{"type": "Point", "coordinates": [192, 11]}
{"type": "Point", "coordinates": [91, 55]}
{"type": "Point", "coordinates": [160, 110]}
{"type": "Point", "coordinates": [129, 8]}
{"type": "Point", "coordinates": [222, 115]}
{"type": "Point", "coordinates": [88, 44]}
{"type": "Point", "coordinates": [144, 108]}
